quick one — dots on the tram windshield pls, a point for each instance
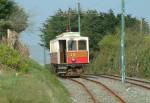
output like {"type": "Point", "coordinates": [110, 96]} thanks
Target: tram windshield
{"type": "Point", "coordinates": [82, 45]}
{"type": "Point", "coordinates": [72, 45]}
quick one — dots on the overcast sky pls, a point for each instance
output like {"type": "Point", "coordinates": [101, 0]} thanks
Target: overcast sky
{"type": "Point", "coordinates": [40, 10]}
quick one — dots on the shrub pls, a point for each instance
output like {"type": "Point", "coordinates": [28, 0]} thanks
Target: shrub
{"type": "Point", "coordinates": [12, 59]}
{"type": "Point", "coordinates": [137, 55]}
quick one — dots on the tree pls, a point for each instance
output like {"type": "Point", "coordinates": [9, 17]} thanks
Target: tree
{"type": "Point", "coordinates": [94, 24]}
{"type": "Point", "coordinates": [12, 17]}
{"type": "Point", "coordinates": [6, 8]}
{"type": "Point", "coordinates": [18, 19]}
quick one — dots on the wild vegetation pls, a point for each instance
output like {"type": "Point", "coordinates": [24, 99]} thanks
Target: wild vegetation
{"type": "Point", "coordinates": [37, 86]}
{"type": "Point", "coordinates": [137, 55]}
{"type": "Point", "coordinates": [12, 59]}
{"type": "Point", "coordinates": [15, 18]}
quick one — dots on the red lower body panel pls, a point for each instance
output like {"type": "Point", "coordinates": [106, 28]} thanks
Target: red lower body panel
{"type": "Point", "coordinates": [79, 57]}
{"type": "Point", "coordinates": [77, 60]}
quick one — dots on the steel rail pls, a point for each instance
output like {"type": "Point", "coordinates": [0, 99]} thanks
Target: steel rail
{"type": "Point", "coordinates": [88, 92]}
{"type": "Point", "coordinates": [107, 88]}
{"type": "Point", "coordinates": [127, 81]}
{"type": "Point", "coordinates": [133, 79]}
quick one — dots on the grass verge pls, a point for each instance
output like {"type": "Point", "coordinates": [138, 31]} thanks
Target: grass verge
{"type": "Point", "coordinates": [38, 86]}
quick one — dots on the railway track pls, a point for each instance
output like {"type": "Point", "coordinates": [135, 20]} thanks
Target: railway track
{"type": "Point", "coordinates": [101, 90]}
{"type": "Point", "coordinates": [88, 92]}
{"type": "Point", "coordinates": [108, 90]}
{"type": "Point", "coordinates": [133, 79]}
{"type": "Point", "coordinates": [136, 82]}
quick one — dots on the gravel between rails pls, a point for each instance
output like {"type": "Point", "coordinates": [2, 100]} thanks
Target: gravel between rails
{"type": "Point", "coordinates": [101, 95]}
{"type": "Point", "coordinates": [108, 90]}
{"type": "Point", "coordinates": [77, 93]}
{"type": "Point", "coordinates": [131, 93]}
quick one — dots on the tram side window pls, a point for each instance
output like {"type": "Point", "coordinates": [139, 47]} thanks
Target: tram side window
{"type": "Point", "coordinates": [72, 45]}
{"type": "Point", "coordinates": [82, 45]}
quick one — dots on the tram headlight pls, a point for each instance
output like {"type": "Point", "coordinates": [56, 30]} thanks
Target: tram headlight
{"type": "Point", "coordinates": [73, 60]}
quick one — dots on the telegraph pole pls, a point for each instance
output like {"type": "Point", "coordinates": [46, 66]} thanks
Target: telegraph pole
{"type": "Point", "coordinates": [141, 26]}
{"type": "Point", "coordinates": [123, 67]}
{"type": "Point", "coordinates": [79, 19]}
{"type": "Point", "coordinates": [149, 30]}
{"type": "Point", "coordinates": [44, 51]}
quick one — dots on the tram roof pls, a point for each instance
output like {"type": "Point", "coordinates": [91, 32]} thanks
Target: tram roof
{"type": "Point", "coordinates": [69, 34]}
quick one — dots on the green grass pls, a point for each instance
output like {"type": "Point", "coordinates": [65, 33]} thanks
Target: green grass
{"type": "Point", "coordinates": [37, 86]}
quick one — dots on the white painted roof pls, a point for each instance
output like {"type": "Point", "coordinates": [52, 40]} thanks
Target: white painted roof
{"type": "Point", "coordinates": [69, 34]}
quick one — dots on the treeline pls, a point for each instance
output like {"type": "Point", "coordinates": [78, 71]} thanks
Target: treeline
{"type": "Point", "coordinates": [94, 24]}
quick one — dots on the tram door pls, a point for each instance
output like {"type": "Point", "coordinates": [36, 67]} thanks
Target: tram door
{"type": "Point", "coordinates": [62, 48]}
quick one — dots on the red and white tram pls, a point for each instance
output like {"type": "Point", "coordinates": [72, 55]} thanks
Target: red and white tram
{"type": "Point", "coordinates": [69, 52]}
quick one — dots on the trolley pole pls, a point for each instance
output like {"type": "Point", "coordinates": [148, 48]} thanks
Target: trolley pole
{"type": "Point", "coordinates": [123, 66]}
{"type": "Point", "coordinates": [79, 19]}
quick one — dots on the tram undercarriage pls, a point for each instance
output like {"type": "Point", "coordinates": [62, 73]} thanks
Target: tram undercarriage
{"type": "Point", "coordinates": [69, 70]}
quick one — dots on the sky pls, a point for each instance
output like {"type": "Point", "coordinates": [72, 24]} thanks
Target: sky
{"type": "Point", "coordinates": [40, 10]}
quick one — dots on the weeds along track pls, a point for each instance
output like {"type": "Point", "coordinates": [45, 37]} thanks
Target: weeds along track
{"type": "Point", "coordinates": [85, 88]}
{"type": "Point", "coordinates": [108, 90]}
{"type": "Point", "coordinates": [133, 81]}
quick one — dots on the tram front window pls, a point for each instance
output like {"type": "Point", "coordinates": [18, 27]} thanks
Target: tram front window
{"type": "Point", "coordinates": [82, 45]}
{"type": "Point", "coordinates": [72, 45]}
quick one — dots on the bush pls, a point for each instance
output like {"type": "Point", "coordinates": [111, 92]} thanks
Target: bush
{"type": "Point", "coordinates": [12, 59]}
{"type": "Point", "coordinates": [137, 55]}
